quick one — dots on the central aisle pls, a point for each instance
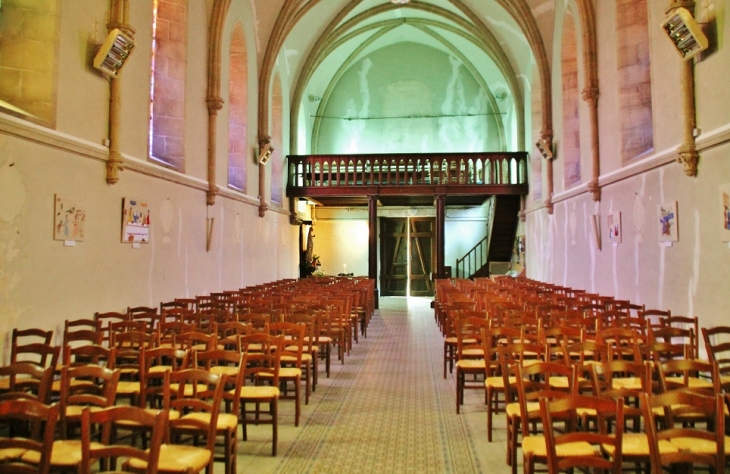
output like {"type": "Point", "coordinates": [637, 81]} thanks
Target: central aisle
{"type": "Point", "coordinates": [387, 409]}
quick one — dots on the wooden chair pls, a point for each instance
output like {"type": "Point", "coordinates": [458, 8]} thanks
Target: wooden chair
{"type": "Point", "coordinates": [39, 420]}
{"type": "Point", "coordinates": [107, 451]}
{"type": "Point", "coordinates": [197, 398]}
{"type": "Point", "coordinates": [717, 344]}
{"type": "Point", "coordinates": [310, 352]}
{"type": "Point", "coordinates": [262, 356]}
{"type": "Point", "coordinates": [128, 345]}
{"type": "Point", "coordinates": [231, 367]}
{"type": "Point", "coordinates": [85, 385]}
{"type": "Point", "coordinates": [469, 355]}
{"type": "Point", "coordinates": [512, 356]}
{"type": "Point", "coordinates": [290, 372]}
{"type": "Point", "coordinates": [494, 382]}
{"type": "Point", "coordinates": [629, 381]}
{"type": "Point", "coordinates": [534, 382]}
{"type": "Point", "coordinates": [694, 444]}
{"type": "Point", "coordinates": [576, 448]}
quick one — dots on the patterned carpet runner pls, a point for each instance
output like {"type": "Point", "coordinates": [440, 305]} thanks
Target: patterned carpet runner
{"type": "Point", "coordinates": [389, 410]}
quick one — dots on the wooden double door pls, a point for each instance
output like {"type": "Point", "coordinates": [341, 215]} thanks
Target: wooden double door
{"type": "Point", "coordinates": [407, 253]}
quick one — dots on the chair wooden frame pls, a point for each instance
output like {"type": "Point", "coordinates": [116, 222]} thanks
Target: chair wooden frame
{"type": "Point", "coordinates": [40, 442]}
{"type": "Point", "coordinates": [695, 445]}
{"type": "Point", "coordinates": [155, 423]}
{"type": "Point", "coordinates": [574, 441]}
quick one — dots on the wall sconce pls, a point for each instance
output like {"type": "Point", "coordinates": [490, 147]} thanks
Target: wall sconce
{"type": "Point", "coordinates": [114, 52]}
{"type": "Point", "coordinates": [544, 148]}
{"type": "Point", "coordinates": [685, 33]}
{"type": "Point", "coordinates": [265, 153]}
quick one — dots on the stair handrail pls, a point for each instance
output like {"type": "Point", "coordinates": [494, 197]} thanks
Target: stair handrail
{"type": "Point", "coordinates": [472, 261]}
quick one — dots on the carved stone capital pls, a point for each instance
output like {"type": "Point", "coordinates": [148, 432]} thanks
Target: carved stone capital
{"type": "Point", "coordinates": [688, 156]}
{"type": "Point", "coordinates": [595, 189]}
{"type": "Point", "coordinates": [688, 4]}
{"type": "Point", "coordinates": [214, 104]}
{"type": "Point", "coordinates": [522, 215]}
{"type": "Point", "coordinates": [590, 95]}
{"type": "Point", "coordinates": [547, 135]}
{"type": "Point", "coordinates": [549, 205]}
{"type": "Point", "coordinates": [263, 207]}
{"type": "Point", "coordinates": [211, 194]}
{"type": "Point", "coordinates": [114, 165]}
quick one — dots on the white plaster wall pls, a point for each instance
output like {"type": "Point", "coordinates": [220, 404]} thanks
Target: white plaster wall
{"type": "Point", "coordinates": [690, 277]}
{"type": "Point", "coordinates": [42, 281]}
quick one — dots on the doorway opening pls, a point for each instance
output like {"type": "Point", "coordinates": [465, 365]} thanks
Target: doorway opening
{"type": "Point", "coordinates": [407, 252]}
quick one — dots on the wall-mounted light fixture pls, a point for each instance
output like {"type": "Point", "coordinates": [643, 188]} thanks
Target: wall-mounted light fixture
{"type": "Point", "coordinates": [544, 148]}
{"type": "Point", "coordinates": [114, 52]}
{"type": "Point", "coordinates": [685, 33]}
{"type": "Point", "coordinates": [265, 153]}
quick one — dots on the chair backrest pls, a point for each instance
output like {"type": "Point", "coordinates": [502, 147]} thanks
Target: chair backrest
{"type": "Point", "coordinates": [40, 421]}
{"type": "Point", "coordinates": [89, 354]}
{"type": "Point", "coordinates": [717, 344]}
{"type": "Point", "coordinates": [231, 367]}
{"type": "Point", "coordinates": [293, 334]}
{"type": "Point", "coordinates": [30, 336]}
{"type": "Point", "coordinates": [41, 354]}
{"type": "Point", "coordinates": [26, 380]}
{"type": "Point", "coordinates": [197, 340]}
{"type": "Point", "coordinates": [81, 332]}
{"type": "Point", "coordinates": [88, 385]}
{"type": "Point", "coordinates": [156, 422]}
{"type": "Point", "coordinates": [556, 410]}
{"type": "Point", "coordinates": [469, 337]}
{"type": "Point", "coordinates": [104, 320]}
{"type": "Point", "coordinates": [622, 379]}
{"type": "Point", "coordinates": [228, 334]}
{"type": "Point", "coordinates": [539, 380]}
{"type": "Point", "coordinates": [263, 353]}
{"type": "Point", "coordinates": [660, 412]}
{"type": "Point", "coordinates": [685, 374]}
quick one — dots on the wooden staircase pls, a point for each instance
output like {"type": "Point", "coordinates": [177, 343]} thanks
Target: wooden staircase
{"type": "Point", "coordinates": [504, 229]}
{"type": "Point", "coordinates": [497, 245]}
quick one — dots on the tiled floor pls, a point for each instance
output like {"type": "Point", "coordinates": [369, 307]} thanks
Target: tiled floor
{"type": "Point", "coordinates": [254, 455]}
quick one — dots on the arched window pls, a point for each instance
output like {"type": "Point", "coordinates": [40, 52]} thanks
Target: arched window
{"type": "Point", "coordinates": [167, 92]}
{"type": "Point", "coordinates": [277, 129]}
{"type": "Point", "coordinates": [29, 30]}
{"type": "Point", "coordinates": [571, 96]}
{"type": "Point", "coordinates": [634, 78]}
{"type": "Point", "coordinates": [237, 111]}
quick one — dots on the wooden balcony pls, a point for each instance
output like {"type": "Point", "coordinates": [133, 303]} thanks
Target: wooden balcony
{"type": "Point", "coordinates": [406, 179]}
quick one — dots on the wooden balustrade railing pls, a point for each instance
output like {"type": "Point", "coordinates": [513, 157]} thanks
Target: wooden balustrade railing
{"type": "Point", "coordinates": [433, 169]}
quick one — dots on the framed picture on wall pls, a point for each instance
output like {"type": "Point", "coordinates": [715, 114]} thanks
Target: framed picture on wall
{"type": "Point", "coordinates": [725, 211]}
{"type": "Point", "coordinates": [69, 219]}
{"type": "Point", "coordinates": [614, 227]}
{"type": "Point", "coordinates": [135, 221]}
{"type": "Point", "coordinates": [668, 223]}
